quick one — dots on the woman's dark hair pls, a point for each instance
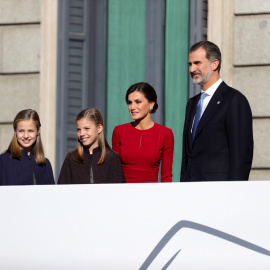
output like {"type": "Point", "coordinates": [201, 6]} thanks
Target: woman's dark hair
{"type": "Point", "coordinates": [14, 147]}
{"type": "Point", "coordinates": [95, 116]}
{"type": "Point", "coordinates": [146, 89]}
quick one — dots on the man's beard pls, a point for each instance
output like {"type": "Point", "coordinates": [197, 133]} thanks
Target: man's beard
{"type": "Point", "coordinates": [203, 79]}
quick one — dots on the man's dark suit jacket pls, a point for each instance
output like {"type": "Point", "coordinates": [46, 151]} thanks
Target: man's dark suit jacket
{"type": "Point", "coordinates": [222, 149]}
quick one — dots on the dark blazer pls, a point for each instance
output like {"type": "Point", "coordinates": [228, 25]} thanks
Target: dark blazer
{"type": "Point", "coordinates": [24, 171]}
{"type": "Point", "coordinates": [222, 149]}
{"type": "Point", "coordinates": [89, 172]}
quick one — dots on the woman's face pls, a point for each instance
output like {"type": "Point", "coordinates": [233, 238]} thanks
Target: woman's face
{"type": "Point", "coordinates": [26, 133]}
{"type": "Point", "coordinates": [87, 132]}
{"type": "Point", "coordinates": [138, 105]}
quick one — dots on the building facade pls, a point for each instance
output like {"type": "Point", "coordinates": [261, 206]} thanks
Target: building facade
{"type": "Point", "coordinates": [59, 57]}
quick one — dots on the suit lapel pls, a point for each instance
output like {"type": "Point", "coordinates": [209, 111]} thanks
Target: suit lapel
{"type": "Point", "coordinates": [211, 107]}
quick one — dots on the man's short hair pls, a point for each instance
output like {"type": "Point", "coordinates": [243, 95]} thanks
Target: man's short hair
{"type": "Point", "coordinates": [211, 49]}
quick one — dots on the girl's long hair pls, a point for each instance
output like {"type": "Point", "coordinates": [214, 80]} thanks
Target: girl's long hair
{"type": "Point", "coordinates": [14, 147]}
{"type": "Point", "coordinates": [95, 116]}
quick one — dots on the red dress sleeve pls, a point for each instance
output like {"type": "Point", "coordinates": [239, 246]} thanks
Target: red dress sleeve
{"type": "Point", "coordinates": [167, 157]}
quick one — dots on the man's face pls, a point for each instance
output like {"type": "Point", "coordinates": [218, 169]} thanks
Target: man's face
{"type": "Point", "coordinates": [200, 68]}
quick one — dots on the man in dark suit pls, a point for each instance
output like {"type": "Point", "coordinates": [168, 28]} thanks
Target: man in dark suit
{"type": "Point", "coordinates": [217, 137]}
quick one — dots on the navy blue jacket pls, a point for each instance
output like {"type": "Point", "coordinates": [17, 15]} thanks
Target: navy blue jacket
{"type": "Point", "coordinates": [222, 149]}
{"type": "Point", "coordinates": [24, 171]}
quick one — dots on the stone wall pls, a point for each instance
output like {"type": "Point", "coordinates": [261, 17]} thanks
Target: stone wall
{"type": "Point", "coordinates": [241, 28]}
{"type": "Point", "coordinates": [251, 61]}
{"type": "Point", "coordinates": [19, 62]}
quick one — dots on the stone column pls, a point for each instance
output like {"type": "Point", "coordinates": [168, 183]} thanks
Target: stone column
{"type": "Point", "coordinates": [48, 76]}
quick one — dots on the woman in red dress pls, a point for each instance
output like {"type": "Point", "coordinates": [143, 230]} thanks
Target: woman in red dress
{"type": "Point", "coordinates": [143, 144]}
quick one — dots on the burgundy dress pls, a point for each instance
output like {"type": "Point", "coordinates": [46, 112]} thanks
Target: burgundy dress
{"type": "Point", "coordinates": [141, 151]}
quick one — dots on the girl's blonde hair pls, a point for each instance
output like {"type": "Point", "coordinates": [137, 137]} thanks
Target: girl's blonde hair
{"type": "Point", "coordinates": [14, 147]}
{"type": "Point", "coordinates": [95, 116]}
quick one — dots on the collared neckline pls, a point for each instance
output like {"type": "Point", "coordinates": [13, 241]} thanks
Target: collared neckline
{"type": "Point", "coordinates": [212, 89]}
{"type": "Point", "coordinates": [142, 130]}
{"type": "Point", "coordinates": [95, 150]}
{"type": "Point", "coordinates": [24, 153]}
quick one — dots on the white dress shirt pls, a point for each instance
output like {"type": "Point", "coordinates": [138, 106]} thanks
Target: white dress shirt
{"type": "Point", "coordinates": [210, 92]}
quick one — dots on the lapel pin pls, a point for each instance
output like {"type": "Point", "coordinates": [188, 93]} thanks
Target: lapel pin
{"type": "Point", "coordinates": [218, 102]}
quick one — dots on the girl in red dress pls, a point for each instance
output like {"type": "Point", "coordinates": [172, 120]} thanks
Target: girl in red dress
{"type": "Point", "coordinates": [143, 144]}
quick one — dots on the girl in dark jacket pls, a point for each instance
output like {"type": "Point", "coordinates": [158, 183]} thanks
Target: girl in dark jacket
{"type": "Point", "coordinates": [24, 162]}
{"type": "Point", "coordinates": [92, 161]}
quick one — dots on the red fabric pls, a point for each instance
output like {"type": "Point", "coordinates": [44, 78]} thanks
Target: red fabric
{"type": "Point", "coordinates": [141, 151]}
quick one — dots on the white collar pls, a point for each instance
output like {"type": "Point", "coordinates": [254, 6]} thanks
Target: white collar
{"type": "Point", "coordinates": [212, 89]}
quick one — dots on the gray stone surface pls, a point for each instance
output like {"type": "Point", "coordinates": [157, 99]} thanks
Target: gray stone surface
{"type": "Point", "coordinates": [20, 49]}
{"type": "Point", "coordinates": [1, 50]}
{"type": "Point", "coordinates": [261, 133]}
{"type": "Point", "coordinates": [251, 6]}
{"type": "Point", "coordinates": [6, 133]}
{"type": "Point", "coordinates": [19, 11]}
{"type": "Point", "coordinates": [18, 92]}
{"type": "Point", "coordinates": [251, 40]}
{"type": "Point", "coordinates": [254, 83]}
{"type": "Point", "coordinates": [259, 175]}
